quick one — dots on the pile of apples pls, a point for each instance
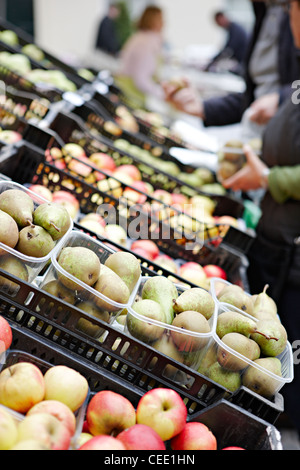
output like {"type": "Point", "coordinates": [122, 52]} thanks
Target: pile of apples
{"type": "Point", "coordinates": [158, 422]}
{"type": "Point", "coordinates": [189, 213]}
{"type": "Point", "coordinates": [190, 271]}
{"type": "Point", "coordinates": [38, 410]}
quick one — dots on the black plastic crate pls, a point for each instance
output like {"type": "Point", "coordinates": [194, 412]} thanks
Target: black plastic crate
{"type": "Point", "coordinates": [129, 360]}
{"type": "Point", "coordinates": [92, 199]}
{"type": "Point", "coordinates": [234, 265]}
{"type": "Point", "coordinates": [71, 128]}
{"type": "Point", "coordinates": [31, 132]}
{"type": "Point", "coordinates": [233, 426]}
{"type": "Point", "coordinates": [25, 104]}
{"type": "Point", "coordinates": [25, 164]}
{"type": "Point", "coordinates": [26, 343]}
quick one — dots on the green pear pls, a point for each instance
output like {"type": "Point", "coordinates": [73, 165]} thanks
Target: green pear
{"type": "Point", "coordinates": [196, 299]}
{"type": "Point", "coordinates": [14, 266]}
{"type": "Point", "coordinates": [19, 205]}
{"type": "Point", "coordinates": [196, 327]}
{"type": "Point", "coordinates": [239, 343]}
{"type": "Point", "coordinates": [166, 346]}
{"type": "Point", "coordinates": [127, 266]}
{"type": "Point", "coordinates": [57, 289]}
{"type": "Point", "coordinates": [80, 262]}
{"type": "Point", "coordinates": [35, 241]}
{"type": "Point", "coordinates": [9, 231]}
{"type": "Point", "coordinates": [263, 302]}
{"type": "Point", "coordinates": [234, 322]}
{"type": "Point", "coordinates": [262, 382]}
{"type": "Point", "coordinates": [88, 327]}
{"type": "Point", "coordinates": [163, 291]}
{"type": "Point", "coordinates": [139, 327]}
{"type": "Point", "coordinates": [54, 218]}
{"type": "Point", "coordinates": [208, 359]}
{"type": "Point", "coordinates": [271, 336]}
{"type": "Point", "coordinates": [236, 296]}
{"type": "Point", "coordinates": [226, 378]}
{"type": "Point", "coordinates": [110, 285]}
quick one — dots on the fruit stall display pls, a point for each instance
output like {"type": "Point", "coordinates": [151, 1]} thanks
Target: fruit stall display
{"type": "Point", "coordinates": [127, 324]}
{"type": "Point", "coordinates": [26, 164]}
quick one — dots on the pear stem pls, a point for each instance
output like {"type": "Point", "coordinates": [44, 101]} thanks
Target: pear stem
{"type": "Point", "coordinates": [266, 336]}
{"type": "Point", "coordinates": [53, 225]}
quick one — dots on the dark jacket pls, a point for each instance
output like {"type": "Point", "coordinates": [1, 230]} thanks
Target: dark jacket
{"type": "Point", "coordinates": [235, 46]}
{"type": "Point", "coordinates": [276, 252]}
{"type": "Point", "coordinates": [107, 39]}
{"type": "Point", "coordinates": [230, 108]}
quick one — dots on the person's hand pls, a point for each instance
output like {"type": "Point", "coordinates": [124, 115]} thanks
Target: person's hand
{"type": "Point", "coordinates": [264, 108]}
{"type": "Point", "coordinates": [251, 176]}
{"type": "Point", "coordinates": [184, 97]}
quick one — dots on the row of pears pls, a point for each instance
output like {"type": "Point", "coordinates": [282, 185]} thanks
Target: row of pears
{"type": "Point", "coordinates": [32, 232]}
{"type": "Point", "coordinates": [253, 330]}
{"type": "Point", "coordinates": [175, 323]}
{"type": "Point", "coordinates": [114, 279]}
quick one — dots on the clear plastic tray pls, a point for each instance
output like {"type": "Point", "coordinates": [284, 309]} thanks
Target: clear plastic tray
{"type": "Point", "coordinates": [33, 265]}
{"type": "Point", "coordinates": [15, 356]}
{"type": "Point", "coordinates": [108, 309]}
{"type": "Point", "coordinates": [191, 346]}
{"type": "Point", "coordinates": [286, 357]}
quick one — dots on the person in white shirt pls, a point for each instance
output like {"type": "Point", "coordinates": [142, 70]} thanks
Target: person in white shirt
{"type": "Point", "coordinates": [140, 56]}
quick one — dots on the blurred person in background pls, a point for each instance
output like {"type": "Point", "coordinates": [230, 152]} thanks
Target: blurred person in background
{"type": "Point", "coordinates": [274, 258]}
{"type": "Point", "coordinates": [271, 67]}
{"type": "Point", "coordinates": [140, 57]}
{"type": "Point", "coordinates": [107, 39]}
{"type": "Point", "coordinates": [235, 46]}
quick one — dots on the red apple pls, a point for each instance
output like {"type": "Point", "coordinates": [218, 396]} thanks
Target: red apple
{"type": "Point", "coordinates": [166, 262]}
{"type": "Point", "coordinates": [142, 186]}
{"type": "Point", "coordinates": [65, 196]}
{"type": "Point", "coordinates": [163, 196]}
{"type": "Point", "coordinates": [22, 385]}
{"type": "Point", "coordinates": [179, 200]}
{"type": "Point", "coordinates": [109, 413]}
{"type": "Point", "coordinates": [6, 335]}
{"type": "Point", "coordinates": [44, 428]}
{"type": "Point", "coordinates": [65, 384]}
{"type": "Point", "coordinates": [73, 150]}
{"type": "Point", "coordinates": [53, 153]}
{"type": "Point", "coordinates": [191, 265]}
{"type": "Point", "coordinates": [141, 437]}
{"type": "Point", "coordinates": [194, 436]}
{"type": "Point", "coordinates": [147, 245]}
{"type": "Point", "coordinates": [42, 191]}
{"type": "Point", "coordinates": [233, 448]}
{"type": "Point", "coordinates": [130, 170]}
{"type": "Point", "coordinates": [143, 253]}
{"type": "Point", "coordinates": [94, 217]}
{"type": "Point", "coordinates": [122, 176]}
{"type": "Point", "coordinates": [10, 136]}
{"type": "Point", "coordinates": [163, 410]}
{"type": "Point", "coordinates": [102, 442]}
{"type": "Point", "coordinates": [58, 409]}
{"type": "Point", "coordinates": [77, 165]}
{"type": "Point", "coordinates": [103, 161]}
{"type": "Point", "coordinates": [134, 197]}
{"type": "Point", "coordinates": [212, 270]}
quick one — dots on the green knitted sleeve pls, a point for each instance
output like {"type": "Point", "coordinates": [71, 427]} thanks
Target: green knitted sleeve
{"type": "Point", "coordinates": [284, 183]}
